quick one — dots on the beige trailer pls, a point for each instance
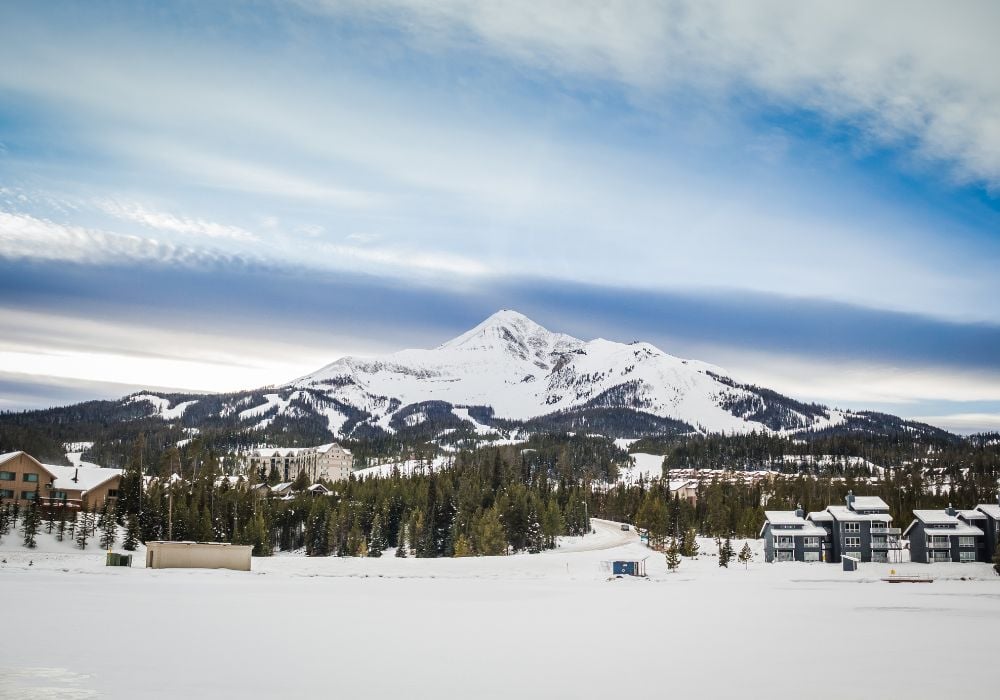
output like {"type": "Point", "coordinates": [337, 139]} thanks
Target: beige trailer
{"type": "Point", "coordinates": [198, 555]}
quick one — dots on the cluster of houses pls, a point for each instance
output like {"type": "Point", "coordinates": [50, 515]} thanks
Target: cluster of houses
{"type": "Point", "coordinates": [862, 530]}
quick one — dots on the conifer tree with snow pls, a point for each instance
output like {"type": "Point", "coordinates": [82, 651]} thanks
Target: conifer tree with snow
{"type": "Point", "coordinates": [377, 542]}
{"type": "Point", "coordinates": [106, 524]}
{"type": "Point", "coordinates": [673, 554]}
{"type": "Point", "coordinates": [402, 547]}
{"type": "Point", "coordinates": [5, 519]}
{"type": "Point", "coordinates": [689, 543]}
{"type": "Point", "coordinates": [50, 518]}
{"type": "Point", "coordinates": [746, 555]}
{"type": "Point", "coordinates": [725, 553]}
{"type": "Point", "coordinates": [82, 529]}
{"type": "Point", "coordinates": [30, 523]}
{"type": "Point", "coordinates": [131, 539]}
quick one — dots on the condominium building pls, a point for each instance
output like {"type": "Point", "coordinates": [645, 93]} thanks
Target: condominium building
{"type": "Point", "coordinates": [947, 535]}
{"type": "Point", "coordinates": [861, 528]}
{"type": "Point", "coordinates": [788, 536]}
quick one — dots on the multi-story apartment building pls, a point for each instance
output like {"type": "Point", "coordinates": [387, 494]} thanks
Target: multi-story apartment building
{"type": "Point", "coordinates": [788, 536]}
{"type": "Point", "coordinates": [861, 528]}
{"type": "Point", "coordinates": [947, 535]}
{"type": "Point", "coordinates": [329, 462]}
{"type": "Point", "coordinates": [991, 526]}
{"type": "Point", "coordinates": [23, 478]}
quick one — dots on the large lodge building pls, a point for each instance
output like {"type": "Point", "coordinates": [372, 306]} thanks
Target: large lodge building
{"type": "Point", "coordinates": [23, 478]}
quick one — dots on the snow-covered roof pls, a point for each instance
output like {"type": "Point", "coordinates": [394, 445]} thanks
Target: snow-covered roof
{"type": "Point", "coordinates": [9, 455]}
{"type": "Point", "coordinates": [972, 514]}
{"type": "Point", "coordinates": [944, 523]}
{"type": "Point", "coordinates": [991, 509]}
{"type": "Point", "coordinates": [820, 516]}
{"type": "Point", "coordinates": [802, 527]}
{"type": "Point", "coordinates": [784, 517]}
{"type": "Point", "coordinates": [869, 503]}
{"type": "Point", "coordinates": [935, 517]}
{"type": "Point", "coordinates": [845, 514]}
{"type": "Point", "coordinates": [80, 479]}
{"type": "Point", "coordinates": [677, 484]}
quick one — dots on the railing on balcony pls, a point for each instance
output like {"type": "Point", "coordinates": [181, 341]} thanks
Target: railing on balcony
{"type": "Point", "coordinates": [938, 544]}
{"type": "Point", "coordinates": [886, 531]}
{"type": "Point", "coordinates": [784, 545]}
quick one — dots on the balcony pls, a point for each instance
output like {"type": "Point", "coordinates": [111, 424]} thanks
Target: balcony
{"type": "Point", "coordinates": [785, 545]}
{"type": "Point", "coordinates": [938, 544]}
{"type": "Point", "coordinates": [880, 544]}
{"type": "Point", "coordinates": [885, 531]}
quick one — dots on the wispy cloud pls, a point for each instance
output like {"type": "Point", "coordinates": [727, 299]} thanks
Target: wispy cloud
{"type": "Point", "coordinates": [28, 237]}
{"type": "Point", "coordinates": [920, 74]}
{"type": "Point", "coordinates": [164, 221]}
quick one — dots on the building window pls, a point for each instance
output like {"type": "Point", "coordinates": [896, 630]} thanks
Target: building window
{"type": "Point", "coordinates": [966, 556]}
{"type": "Point", "coordinates": [31, 478]}
{"type": "Point", "coordinates": [7, 476]}
{"type": "Point", "coordinates": [852, 527]}
{"type": "Point", "coordinates": [6, 493]}
{"type": "Point", "coordinates": [59, 495]}
{"type": "Point", "coordinates": [852, 543]}
{"type": "Point", "coordinates": [783, 556]}
{"type": "Point", "coordinates": [28, 495]}
{"type": "Point", "coordinates": [810, 542]}
{"type": "Point", "coordinates": [810, 556]}
{"type": "Point", "coordinates": [966, 541]}
{"type": "Point", "coordinates": [112, 493]}
{"type": "Point", "coordinates": [880, 557]}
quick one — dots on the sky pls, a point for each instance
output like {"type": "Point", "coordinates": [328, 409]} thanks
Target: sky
{"type": "Point", "coordinates": [215, 196]}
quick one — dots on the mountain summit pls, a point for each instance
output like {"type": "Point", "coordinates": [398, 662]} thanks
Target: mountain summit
{"type": "Point", "coordinates": [509, 367]}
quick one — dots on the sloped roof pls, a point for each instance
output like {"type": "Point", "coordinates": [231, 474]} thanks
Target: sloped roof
{"type": "Point", "coordinates": [845, 514]}
{"type": "Point", "coordinates": [869, 503]}
{"type": "Point", "coordinates": [991, 509]}
{"type": "Point", "coordinates": [954, 526]}
{"type": "Point", "coordinates": [80, 479]}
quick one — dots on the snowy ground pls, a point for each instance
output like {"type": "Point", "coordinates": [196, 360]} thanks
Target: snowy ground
{"type": "Point", "coordinates": [529, 626]}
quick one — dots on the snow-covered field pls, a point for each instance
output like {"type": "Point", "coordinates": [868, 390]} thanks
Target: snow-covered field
{"type": "Point", "coordinates": [530, 626]}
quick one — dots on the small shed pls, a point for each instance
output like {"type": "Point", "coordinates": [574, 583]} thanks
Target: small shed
{"type": "Point", "coordinates": [850, 563]}
{"type": "Point", "coordinates": [628, 567]}
{"type": "Point", "coordinates": [198, 555]}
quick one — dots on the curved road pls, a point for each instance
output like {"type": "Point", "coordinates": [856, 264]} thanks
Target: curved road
{"type": "Point", "coordinates": [607, 535]}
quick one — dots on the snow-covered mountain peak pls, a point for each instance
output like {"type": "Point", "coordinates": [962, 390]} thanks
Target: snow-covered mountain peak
{"type": "Point", "coordinates": [521, 371]}
{"type": "Point", "coordinates": [513, 333]}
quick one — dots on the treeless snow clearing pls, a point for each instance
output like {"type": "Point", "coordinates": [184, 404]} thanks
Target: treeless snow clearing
{"type": "Point", "coordinates": [545, 625]}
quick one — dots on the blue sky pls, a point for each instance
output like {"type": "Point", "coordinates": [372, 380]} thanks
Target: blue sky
{"type": "Point", "coordinates": [213, 197]}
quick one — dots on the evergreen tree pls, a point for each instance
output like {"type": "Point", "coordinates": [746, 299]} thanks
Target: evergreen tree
{"type": "Point", "coordinates": [689, 543]}
{"type": "Point", "coordinates": [107, 526]}
{"type": "Point", "coordinates": [725, 553]}
{"type": "Point", "coordinates": [82, 528]}
{"type": "Point", "coordinates": [746, 556]}
{"type": "Point", "coordinates": [402, 547]}
{"type": "Point", "coordinates": [131, 541]}
{"type": "Point", "coordinates": [673, 555]}
{"type": "Point", "coordinates": [30, 523]}
{"type": "Point", "coordinates": [996, 560]}
{"type": "Point", "coordinates": [377, 542]}
{"type": "Point", "coordinates": [463, 547]}
{"type": "Point", "coordinates": [490, 537]}
{"type": "Point", "coordinates": [5, 519]}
